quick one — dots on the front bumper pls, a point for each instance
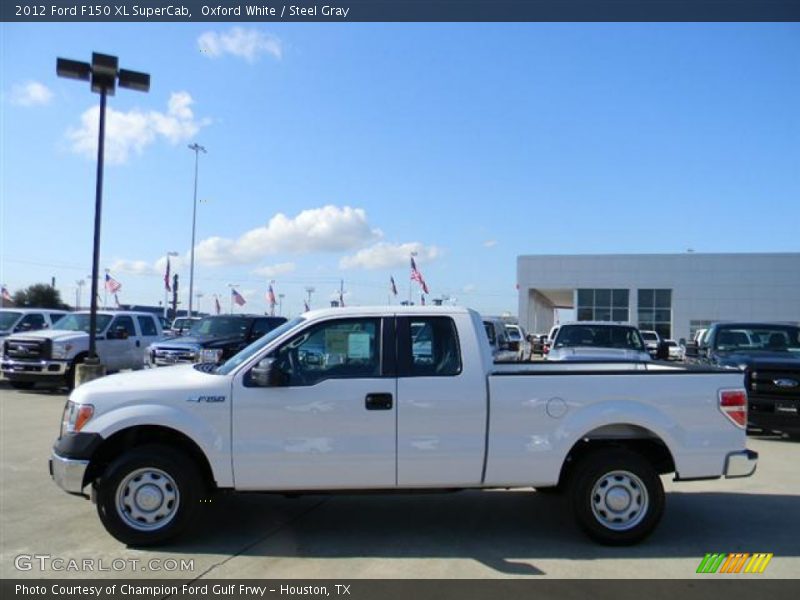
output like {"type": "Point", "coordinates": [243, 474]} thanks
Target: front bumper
{"type": "Point", "coordinates": [740, 464]}
{"type": "Point", "coordinates": [34, 370]}
{"type": "Point", "coordinates": [68, 473]}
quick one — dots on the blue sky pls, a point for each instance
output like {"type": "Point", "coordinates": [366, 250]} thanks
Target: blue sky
{"type": "Point", "coordinates": [335, 150]}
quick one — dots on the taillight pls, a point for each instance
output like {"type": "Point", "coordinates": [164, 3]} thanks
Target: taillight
{"type": "Point", "coordinates": [733, 404]}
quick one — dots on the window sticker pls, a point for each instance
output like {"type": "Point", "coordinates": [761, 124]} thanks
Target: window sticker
{"type": "Point", "coordinates": [358, 346]}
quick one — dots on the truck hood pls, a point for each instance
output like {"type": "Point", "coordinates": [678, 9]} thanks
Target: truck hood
{"type": "Point", "coordinates": [204, 341]}
{"type": "Point", "coordinates": [57, 335]}
{"type": "Point", "coordinates": [593, 353]}
{"type": "Point", "coordinates": [167, 385]}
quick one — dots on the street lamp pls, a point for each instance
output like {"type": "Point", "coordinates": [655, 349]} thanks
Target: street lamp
{"type": "Point", "coordinates": [280, 304]}
{"type": "Point", "coordinates": [103, 74]}
{"type": "Point", "coordinates": [80, 283]}
{"type": "Point", "coordinates": [310, 290]}
{"type": "Point", "coordinates": [197, 148]}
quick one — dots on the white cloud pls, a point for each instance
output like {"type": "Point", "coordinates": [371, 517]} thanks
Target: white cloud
{"type": "Point", "coordinates": [490, 243]}
{"type": "Point", "coordinates": [30, 93]}
{"type": "Point", "coordinates": [132, 131]}
{"type": "Point", "coordinates": [384, 255]}
{"type": "Point", "coordinates": [470, 287]}
{"type": "Point", "coordinates": [274, 270]}
{"type": "Point", "coordinates": [248, 44]}
{"type": "Point", "coordinates": [326, 229]}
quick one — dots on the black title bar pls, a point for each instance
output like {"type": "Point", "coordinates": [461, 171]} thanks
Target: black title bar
{"type": "Point", "coordinates": [397, 10]}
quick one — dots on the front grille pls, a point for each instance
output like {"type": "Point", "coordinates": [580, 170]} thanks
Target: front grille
{"type": "Point", "coordinates": [27, 349]}
{"type": "Point", "coordinates": [774, 391]}
{"type": "Point", "coordinates": [171, 356]}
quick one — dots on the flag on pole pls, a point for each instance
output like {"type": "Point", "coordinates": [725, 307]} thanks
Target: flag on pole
{"type": "Point", "coordinates": [112, 285]}
{"type": "Point", "coordinates": [217, 307]}
{"type": "Point", "coordinates": [341, 298]}
{"type": "Point", "coordinates": [417, 276]}
{"type": "Point", "coordinates": [116, 300]}
{"type": "Point", "coordinates": [394, 287]}
{"type": "Point", "coordinates": [422, 299]}
{"type": "Point", "coordinates": [238, 298]}
{"type": "Point", "coordinates": [6, 295]}
{"type": "Point", "coordinates": [271, 296]}
{"type": "Point", "coordinates": [305, 304]}
{"type": "Point", "coordinates": [166, 277]}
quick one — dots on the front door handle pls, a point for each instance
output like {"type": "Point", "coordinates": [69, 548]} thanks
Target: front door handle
{"type": "Point", "coordinates": [378, 402]}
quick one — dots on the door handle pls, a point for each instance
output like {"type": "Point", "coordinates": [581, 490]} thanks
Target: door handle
{"type": "Point", "coordinates": [138, 343]}
{"type": "Point", "coordinates": [378, 402]}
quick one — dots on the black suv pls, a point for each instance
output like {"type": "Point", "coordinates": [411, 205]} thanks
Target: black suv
{"type": "Point", "coordinates": [769, 353]}
{"type": "Point", "coordinates": [211, 340]}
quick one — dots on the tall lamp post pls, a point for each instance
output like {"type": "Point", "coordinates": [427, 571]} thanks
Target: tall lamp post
{"type": "Point", "coordinates": [197, 148]}
{"type": "Point", "coordinates": [78, 290]}
{"type": "Point", "coordinates": [166, 284]}
{"type": "Point", "coordinates": [104, 74]}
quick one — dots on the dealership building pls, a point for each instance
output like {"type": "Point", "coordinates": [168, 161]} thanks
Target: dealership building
{"type": "Point", "coordinates": [674, 294]}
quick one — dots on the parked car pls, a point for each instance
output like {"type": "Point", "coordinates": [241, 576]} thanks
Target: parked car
{"type": "Point", "coordinates": [769, 353]}
{"type": "Point", "coordinates": [674, 349]}
{"type": "Point", "coordinates": [651, 341]}
{"type": "Point", "coordinates": [181, 326]}
{"type": "Point", "coordinates": [598, 340]}
{"type": "Point", "coordinates": [538, 342]}
{"type": "Point", "coordinates": [518, 341]}
{"type": "Point", "coordinates": [551, 336]}
{"type": "Point", "coordinates": [20, 320]}
{"type": "Point", "coordinates": [50, 355]}
{"type": "Point", "coordinates": [152, 445]}
{"type": "Point", "coordinates": [497, 335]}
{"type": "Point", "coordinates": [211, 339]}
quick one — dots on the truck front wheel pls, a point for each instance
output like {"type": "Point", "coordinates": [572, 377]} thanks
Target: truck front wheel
{"type": "Point", "coordinates": [617, 496]}
{"type": "Point", "coordinates": [147, 496]}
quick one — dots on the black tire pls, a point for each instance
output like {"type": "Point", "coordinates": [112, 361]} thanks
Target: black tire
{"type": "Point", "coordinates": [153, 470]}
{"type": "Point", "coordinates": [22, 385]}
{"type": "Point", "coordinates": [617, 496]}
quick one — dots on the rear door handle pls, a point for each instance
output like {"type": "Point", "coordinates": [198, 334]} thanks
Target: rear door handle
{"type": "Point", "coordinates": [378, 402]}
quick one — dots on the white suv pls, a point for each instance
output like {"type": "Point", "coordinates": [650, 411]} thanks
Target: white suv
{"type": "Point", "coordinates": [598, 340]}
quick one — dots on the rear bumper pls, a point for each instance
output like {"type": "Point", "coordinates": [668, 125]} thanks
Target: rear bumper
{"type": "Point", "coordinates": [741, 464]}
{"type": "Point", "coordinates": [68, 473]}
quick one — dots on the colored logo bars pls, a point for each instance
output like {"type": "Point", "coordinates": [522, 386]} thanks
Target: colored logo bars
{"type": "Point", "coordinates": [735, 562]}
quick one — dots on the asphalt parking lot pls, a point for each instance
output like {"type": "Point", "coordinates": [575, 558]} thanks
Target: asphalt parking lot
{"type": "Point", "coordinates": [461, 535]}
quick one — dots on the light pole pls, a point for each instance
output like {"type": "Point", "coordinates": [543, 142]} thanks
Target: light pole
{"type": "Point", "coordinates": [230, 296]}
{"type": "Point", "coordinates": [166, 283]}
{"type": "Point", "coordinates": [103, 73]}
{"type": "Point", "coordinates": [197, 149]}
{"type": "Point", "coordinates": [280, 304]}
{"type": "Point", "coordinates": [198, 295]}
{"type": "Point", "coordinates": [310, 290]}
{"type": "Point", "coordinates": [78, 292]}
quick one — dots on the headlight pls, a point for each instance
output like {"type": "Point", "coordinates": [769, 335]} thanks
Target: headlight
{"type": "Point", "coordinates": [209, 355]}
{"type": "Point", "coordinates": [61, 350]}
{"type": "Point", "coordinates": [75, 417]}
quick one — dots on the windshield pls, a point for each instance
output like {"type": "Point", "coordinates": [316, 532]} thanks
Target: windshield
{"type": "Point", "coordinates": [7, 319]}
{"type": "Point", "coordinates": [749, 338]}
{"type": "Point", "coordinates": [80, 322]}
{"type": "Point", "coordinates": [649, 336]}
{"type": "Point", "coordinates": [220, 326]}
{"type": "Point", "coordinates": [599, 336]}
{"type": "Point", "coordinates": [245, 354]}
{"type": "Point", "coordinates": [513, 334]}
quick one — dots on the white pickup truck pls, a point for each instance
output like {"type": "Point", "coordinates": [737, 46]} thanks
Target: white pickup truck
{"type": "Point", "coordinates": [345, 399]}
{"type": "Point", "coordinates": [49, 356]}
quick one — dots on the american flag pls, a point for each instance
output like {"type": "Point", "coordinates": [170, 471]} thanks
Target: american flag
{"type": "Point", "coordinates": [217, 307]}
{"type": "Point", "coordinates": [6, 295]}
{"type": "Point", "coordinates": [271, 296]}
{"type": "Point", "coordinates": [237, 297]}
{"type": "Point", "coordinates": [417, 276]}
{"type": "Point", "coordinates": [112, 285]}
{"type": "Point", "coordinates": [394, 287]}
{"type": "Point", "coordinates": [166, 277]}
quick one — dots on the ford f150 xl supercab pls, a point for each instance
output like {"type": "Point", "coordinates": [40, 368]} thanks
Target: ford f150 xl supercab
{"type": "Point", "coordinates": [50, 355]}
{"type": "Point", "coordinates": [345, 399]}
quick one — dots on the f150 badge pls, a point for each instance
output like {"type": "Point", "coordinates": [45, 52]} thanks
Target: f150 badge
{"type": "Point", "coordinates": [208, 399]}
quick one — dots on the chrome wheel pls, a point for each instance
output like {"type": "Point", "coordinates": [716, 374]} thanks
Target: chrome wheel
{"type": "Point", "coordinates": [619, 500]}
{"type": "Point", "coordinates": [147, 499]}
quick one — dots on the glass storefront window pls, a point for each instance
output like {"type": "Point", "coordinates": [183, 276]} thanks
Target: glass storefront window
{"type": "Point", "coordinates": [655, 311]}
{"type": "Point", "coordinates": [603, 305]}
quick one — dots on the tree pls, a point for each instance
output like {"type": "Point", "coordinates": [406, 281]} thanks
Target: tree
{"type": "Point", "coordinates": [39, 295]}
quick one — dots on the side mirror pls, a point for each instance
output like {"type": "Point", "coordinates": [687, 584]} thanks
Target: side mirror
{"type": "Point", "coordinates": [265, 374]}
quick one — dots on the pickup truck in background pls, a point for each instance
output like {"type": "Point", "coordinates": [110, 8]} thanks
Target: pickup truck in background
{"type": "Point", "coordinates": [396, 398]}
{"type": "Point", "coordinates": [49, 356]}
{"type": "Point", "coordinates": [769, 353]}
{"type": "Point", "coordinates": [210, 339]}
{"type": "Point", "coordinates": [598, 340]}
{"type": "Point", "coordinates": [21, 320]}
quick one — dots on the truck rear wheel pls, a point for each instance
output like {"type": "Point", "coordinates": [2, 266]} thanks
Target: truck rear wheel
{"type": "Point", "coordinates": [617, 496]}
{"type": "Point", "coordinates": [148, 495]}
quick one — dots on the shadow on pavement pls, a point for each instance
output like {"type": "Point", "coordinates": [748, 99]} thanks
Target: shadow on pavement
{"type": "Point", "coordinates": [498, 529]}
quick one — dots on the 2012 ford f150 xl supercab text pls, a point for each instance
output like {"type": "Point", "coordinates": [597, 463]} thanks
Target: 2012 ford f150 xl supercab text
{"type": "Point", "coordinates": [358, 399]}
